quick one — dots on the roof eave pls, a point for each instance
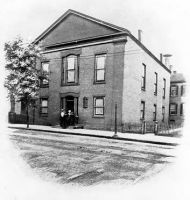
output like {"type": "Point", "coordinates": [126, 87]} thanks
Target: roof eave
{"type": "Point", "coordinates": [40, 37]}
{"type": "Point", "coordinates": [149, 52]}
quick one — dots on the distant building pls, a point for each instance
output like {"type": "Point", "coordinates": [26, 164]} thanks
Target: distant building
{"type": "Point", "coordinates": [93, 65]}
{"type": "Point", "coordinates": [177, 98]}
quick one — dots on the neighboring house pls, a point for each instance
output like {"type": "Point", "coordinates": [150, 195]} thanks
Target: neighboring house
{"type": "Point", "coordinates": [177, 98]}
{"type": "Point", "coordinates": [93, 65]}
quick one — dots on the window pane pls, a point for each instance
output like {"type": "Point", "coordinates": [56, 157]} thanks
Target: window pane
{"type": "Point", "coordinates": [44, 110]}
{"type": "Point", "coordinates": [44, 103]}
{"type": "Point", "coordinates": [173, 107]}
{"type": "Point", "coordinates": [173, 91]}
{"type": "Point", "coordinates": [143, 82]}
{"type": "Point", "coordinates": [100, 62]}
{"type": "Point", "coordinates": [45, 67]}
{"type": "Point", "coordinates": [45, 81]}
{"type": "Point", "coordinates": [99, 111]}
{"type": "Point", "coordinates": [142, 114]}
{"type": "Point", "coordinates": [71, 62]}
{"type": "Point", "coordinates": [100, 75]}
{"type": "Point", "coordinates": [71, 76]}
{"type": "Point", "coordinates": [99, 103]}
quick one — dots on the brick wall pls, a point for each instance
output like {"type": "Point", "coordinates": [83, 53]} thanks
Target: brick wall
{"type": "Point", "coordinates": [112, 89]}
{"type": "Point", "coordinates": [132, 93]}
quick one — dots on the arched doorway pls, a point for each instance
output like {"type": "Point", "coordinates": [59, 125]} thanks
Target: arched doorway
{"type": "Point", "coordinates": [69, 101]}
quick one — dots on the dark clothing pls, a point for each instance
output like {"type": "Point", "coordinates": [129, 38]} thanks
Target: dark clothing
{"type": "Point", "coordinates": [63, 121]}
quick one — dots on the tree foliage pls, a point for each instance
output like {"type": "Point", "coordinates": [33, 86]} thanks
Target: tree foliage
{"type": "Point", "coordinates": [22, 80]}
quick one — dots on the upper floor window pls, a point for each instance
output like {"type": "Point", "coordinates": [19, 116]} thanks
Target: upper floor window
{"type": "Point", "coordinates": [164, 88]}
{"type": "Point", "coordinates": [163, 113]}
{"type": "Point", "coordinates": [156, 84]}
{"type": "Point", "coordinates": [143, 80]}
{"type": "Point", "coordinates": [181, 108]}
{"type": "Point", "coordinates": [100, 68]}
{"type": "Point", "coordinates": [174, 90]}
{"type": "Point", "coordinates": [173, 109]}
{"type": "Point", "coordinates": [44, 106]}
{"type": "Point", "coordinates": [182, 90]}
{"type": "Point", "coordinates": [98, 106]}
{"type": "Point", "coordinates": [155, 112]}
{"type": "Point", "coordinates": [142, 117]}
{"type": "Point", "coordinates": [45, 74]}
{"type": "Point", "coordinates": [70, 70]}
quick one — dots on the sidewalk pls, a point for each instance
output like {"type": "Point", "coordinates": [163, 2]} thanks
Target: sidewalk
{"type": "Point", "coordinates": [147, 138]}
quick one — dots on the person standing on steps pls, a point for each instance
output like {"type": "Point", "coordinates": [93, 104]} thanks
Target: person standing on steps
{"type": "Point", "coordinates": [63, 118]}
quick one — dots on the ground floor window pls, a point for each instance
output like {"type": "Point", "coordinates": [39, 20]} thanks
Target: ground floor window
{"type": "Point", "coordinates": [44, 106]}
{"type": "Point", "coordinates": [99, 106]}
{"type": "Point", "coordinates": [163, 113]}
{"type": "Point", "coordinates": [173, 109]}
{"type": "Point", "coordinates": [181, 109]}
{"type": "Point", "coordinates": [155, 112]}
{"type": "Point", "coordinates": [142, 110]}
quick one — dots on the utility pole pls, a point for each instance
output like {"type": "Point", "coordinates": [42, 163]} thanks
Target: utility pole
{"type": "Point", "coordinates": [115, 129]}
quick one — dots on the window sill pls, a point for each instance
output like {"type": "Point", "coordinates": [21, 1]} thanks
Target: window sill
{"type": "Point", "coordinates": [69, 84]}
{"type": "Point", "coordinates": [44, 86]}
{"type": "Point", "coordinates": [98, 116]}
{"type": "Point", "coordinates": [173, 114]}
{"type": "Point", "coordinates": [100, 82]}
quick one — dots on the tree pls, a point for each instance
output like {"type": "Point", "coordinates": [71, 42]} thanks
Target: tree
{"type": "Point", "coordinates": [23, 79]}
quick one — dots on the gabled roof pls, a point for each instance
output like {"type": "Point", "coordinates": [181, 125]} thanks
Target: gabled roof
{"type": "Point", "coordinates": [65, 15]}
{"type": "Point", "coordinates": [110, 30]}
{"type": "Point", "coordinates": [177, 78]}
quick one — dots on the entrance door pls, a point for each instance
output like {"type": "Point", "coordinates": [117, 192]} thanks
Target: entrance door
{"type": "Point", "coordinates": [70, 103]}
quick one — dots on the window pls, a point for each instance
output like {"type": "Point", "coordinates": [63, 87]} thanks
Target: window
{"type": "Point", "coordinates": [142, 117]}
{"type": "Point", "coordinates": [155, 112]}
{"type": "Point", "coordinates": [181, 109]}
{"type": "Point", "coordinates": [44, 106]}
{"type": "Point", "coordinates": [156, 84]}
{"type": "Point", "coordinates": [164, 88]}
{"type": "Point", "coordinates": [182, 90]}
{"type": "Point", "coordinates": [173, 109]}
{"type": "Point", "coordinates": [100, 68]}
{"type": "Point", "coordinates": [45, 74]}
{"type": "Point", "coordinates": [143, 80]}
{"type": "Point", "coordinates": [174, 91]}
{"type": "Point", "coordinates": [163, 113]}
{"type": "Point", "coordinates": [85, 102]}
{"type": "Point", "coordinates": [98, 106]}
{"type": "Point", "coordinates": [70, 70]}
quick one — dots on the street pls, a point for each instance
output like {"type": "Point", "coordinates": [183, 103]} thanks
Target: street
{"type": "Point", "coordinates": [69, 159]}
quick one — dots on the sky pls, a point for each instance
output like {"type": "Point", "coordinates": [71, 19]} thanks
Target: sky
{"type": "Point", "coordinates": [165, 26]}
{"type": "Point", "coordinates": [163, 22]}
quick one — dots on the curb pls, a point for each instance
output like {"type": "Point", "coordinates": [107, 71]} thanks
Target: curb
{"type": "Point", "coordinates": [98, 136]}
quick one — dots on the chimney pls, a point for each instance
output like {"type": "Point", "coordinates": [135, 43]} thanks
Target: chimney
{"type": "Point", "coordinates": [167, 60]}
{"type": "Point", "coordinates": [161, 57]}
{"type": "Point", "coordinates": [140, 35]}
{"type": "Point", "coordinates": [171, 67]}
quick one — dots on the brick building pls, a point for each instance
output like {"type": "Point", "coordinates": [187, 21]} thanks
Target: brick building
{"type": "Point", "coordinates": [177, 98]}
{"type": "Point", "coordinates": [93, 65]}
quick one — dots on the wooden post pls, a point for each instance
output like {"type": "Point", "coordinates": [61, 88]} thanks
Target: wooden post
{"type": "Point", "coordinates": [115, 128]}
{"type": "Point", "coordinates": [27, 116]}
